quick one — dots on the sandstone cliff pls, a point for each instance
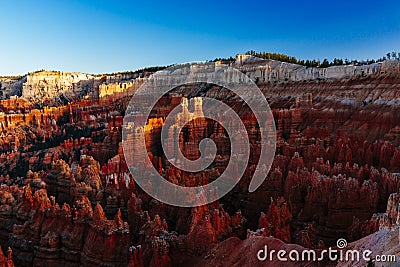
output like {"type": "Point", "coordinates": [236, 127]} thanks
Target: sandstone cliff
{"type": "Point", "coordinates": [62, 87]}
{"type": "Point", "coordinates": [10, 86]}
{"type": "Point", "coordinates": [266, 71]}
{"type": "Point", "coordinates": [58, 86]}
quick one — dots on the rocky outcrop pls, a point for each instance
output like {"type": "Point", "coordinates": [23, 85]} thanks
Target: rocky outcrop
{"type": "Point", "coordinates": [111, 91]}
{"type": "Point", "coordinates": [57, 86]}
{"type": "Point", "coordinates": [77, 235]}
{"type": "Point", "coordinates": [11, 86]}
{"type": "Point", "coordinates": [113, 237]}
{"type": "Point", "coordinates": [265, 71]}
{"type": "Point", "coordinates": [69, 185]}
{"type": "Point", "coordinates": [277, 220]}
{"type": "Point", "coordinates": [6, 261]}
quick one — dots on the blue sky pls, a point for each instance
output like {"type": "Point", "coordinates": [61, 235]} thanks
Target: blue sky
{"type": "Point", "coordinates": [108, 36]}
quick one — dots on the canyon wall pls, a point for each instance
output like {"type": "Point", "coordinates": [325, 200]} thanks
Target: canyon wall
{"type": "Point", "coordinates": [265, 71]}
{"type": "Point", "coordinates": [63, 87]}
{"type": "Point", "coordinates": [11, 86]}
{"type": "Point", "coordinates": [67, 86]}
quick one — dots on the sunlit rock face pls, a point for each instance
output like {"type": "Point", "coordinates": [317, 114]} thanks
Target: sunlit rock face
{"type": "Point", "coordinates": [266, 71]}
{"type": "Point", "coordinates": [6, 260]}
{"type": "Point", "coordinates": [57, 86]}
{"type": "Point", "coordinates": [67, 197]}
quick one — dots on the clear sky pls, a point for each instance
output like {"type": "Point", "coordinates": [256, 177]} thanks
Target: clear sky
{"type": "Point", "coordinates": [108, 36]}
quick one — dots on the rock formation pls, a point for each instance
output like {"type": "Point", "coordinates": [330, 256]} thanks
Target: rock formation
{"type": "Point", "coordinates": [68, 198]}
{"type": "Point", "coordinates": [11, 86]}
{"type": "Point", "coordinates": [6, 261]}
{"type": "Point", "coordinates": [57, 86]}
